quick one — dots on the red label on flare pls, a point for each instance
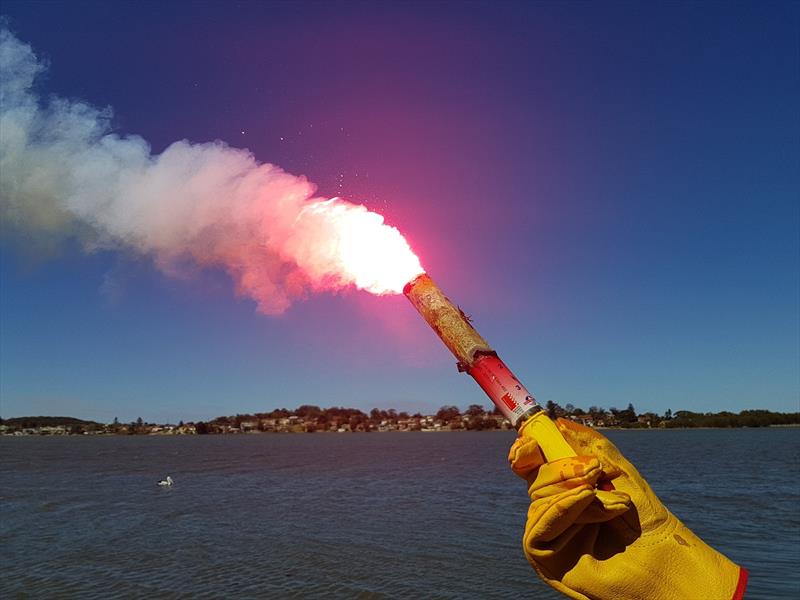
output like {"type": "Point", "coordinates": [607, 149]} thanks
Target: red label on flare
{"type": "Point", "coordinates": [505, 390]}
{"type": "Point", "coordinates": [509, 401]}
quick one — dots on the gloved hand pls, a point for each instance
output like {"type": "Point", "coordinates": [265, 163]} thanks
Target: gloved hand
{"type": "Point", "coordinates": [596, 530]}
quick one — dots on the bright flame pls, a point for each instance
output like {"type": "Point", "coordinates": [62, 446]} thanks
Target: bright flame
{"type": "Point", "coordinates": [353, 246]}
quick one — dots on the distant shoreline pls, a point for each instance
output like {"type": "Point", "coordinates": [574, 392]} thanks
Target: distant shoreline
{"type": "Point", "coordinates": [257, 433]}
{"type": "Point", "coordinates": [788, 426]}
{"type": "Point", "coordinates": [313, 419]}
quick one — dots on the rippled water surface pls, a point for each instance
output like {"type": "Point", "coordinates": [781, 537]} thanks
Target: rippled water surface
{"type": "Point", "coordinates": [382, 515]}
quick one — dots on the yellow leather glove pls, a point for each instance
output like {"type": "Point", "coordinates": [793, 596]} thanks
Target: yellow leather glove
{"type": "Point", "coordinates": [596, 530]}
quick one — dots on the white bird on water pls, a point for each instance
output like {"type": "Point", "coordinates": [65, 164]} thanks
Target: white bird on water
{"type": "Point", "coordinates": [166, 482]}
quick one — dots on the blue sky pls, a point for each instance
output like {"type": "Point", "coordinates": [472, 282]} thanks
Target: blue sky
{"type": "Point", "coordinates": [610, 190]}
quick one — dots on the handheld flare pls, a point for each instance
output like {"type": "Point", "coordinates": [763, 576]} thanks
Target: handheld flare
{"type": "Point", "coordinates": [477, 358]}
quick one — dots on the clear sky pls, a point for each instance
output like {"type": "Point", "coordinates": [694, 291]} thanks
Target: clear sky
{"type": "Point", "coordinates": [609, 189]}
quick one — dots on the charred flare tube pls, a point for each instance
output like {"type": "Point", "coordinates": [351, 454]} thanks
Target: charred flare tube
{"type": "Point", "coordinates": [477, 358]}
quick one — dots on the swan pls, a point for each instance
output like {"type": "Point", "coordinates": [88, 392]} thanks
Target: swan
{"type": "Point", "coordinates": [166, 482]}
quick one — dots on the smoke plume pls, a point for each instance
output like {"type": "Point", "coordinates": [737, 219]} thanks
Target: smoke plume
{"type": "Point", "coordinates": [65, 173]}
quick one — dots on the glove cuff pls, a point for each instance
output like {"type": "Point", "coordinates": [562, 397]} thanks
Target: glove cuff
{"type": "Point", "coordinates": [741, 584]}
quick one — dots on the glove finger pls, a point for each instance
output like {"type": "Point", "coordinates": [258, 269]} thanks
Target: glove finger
{"type": "Point", "coordinates": [565, 474]}
{"type": "Point", "coordinates": [587, 441]}
{"type": "Point", "coordinates": [581, 432]}
{"type": "Point", "coordinates": [614, 500]}
{"type": "Point", "coordinates": [606, 506]}
{"type": "Point", "coordinates": [617, 469]}
{"type": "Point", "coordinates": [549, 517]}
{"type": "Point", "coordinates": [584, 439]}
{"type": "Point", "coordinates": [525, 457]}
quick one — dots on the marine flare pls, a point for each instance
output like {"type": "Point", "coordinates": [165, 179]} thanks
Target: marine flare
{"type": "Point", "coordinates": [477, 358]}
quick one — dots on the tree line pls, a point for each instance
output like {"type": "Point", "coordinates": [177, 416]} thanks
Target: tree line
{"type": "Point", "coordinates": [629, 418]}
{"type": "Point", "coordinates": [314, 418]}
{"type": "Point", "coordinates": [309, 417]}
{"type": "Point", "coordinates": [476, 417]}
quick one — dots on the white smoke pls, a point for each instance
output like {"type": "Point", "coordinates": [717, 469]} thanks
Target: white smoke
{"type": "Point", "coordinates": [63, 172]}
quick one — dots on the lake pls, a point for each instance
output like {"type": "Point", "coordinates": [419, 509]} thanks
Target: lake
{"type": "Point", "coordinates": [378, 515]}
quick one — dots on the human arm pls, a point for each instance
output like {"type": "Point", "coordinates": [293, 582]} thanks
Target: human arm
{"type": "Point", "coordinates": [596, 530]}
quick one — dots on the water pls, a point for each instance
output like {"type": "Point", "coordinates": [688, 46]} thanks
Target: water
{"type": "Point", "coordinates": [382, 515]}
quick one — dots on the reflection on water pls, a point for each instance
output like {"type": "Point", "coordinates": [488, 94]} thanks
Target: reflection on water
{"type": "Point", "coordinates": [381, 515]}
